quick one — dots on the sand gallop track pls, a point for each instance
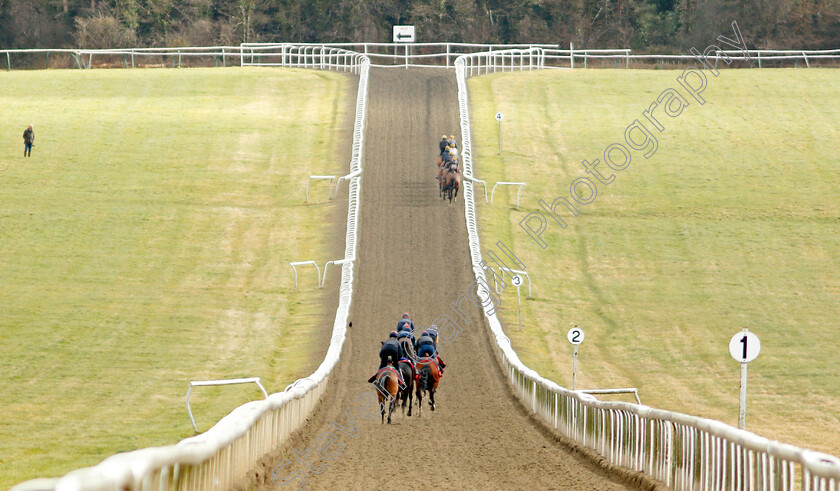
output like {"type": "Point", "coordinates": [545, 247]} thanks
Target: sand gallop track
{"type": "Point", "coordinates": [413, 256]}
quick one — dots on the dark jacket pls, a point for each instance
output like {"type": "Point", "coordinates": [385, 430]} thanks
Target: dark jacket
{"type": "Point", "coordinates": [28, 136]}
{"type": "Point", "coordinates": [433, 335]}
{"type": "Point", "coordinates": [402, 322]}
{"type": "Point", "coordinates": [443, 144]}
{"type": "Point", "coordinates": [391, 345]}
{"type": "Point", "coordinates": [424, 340]}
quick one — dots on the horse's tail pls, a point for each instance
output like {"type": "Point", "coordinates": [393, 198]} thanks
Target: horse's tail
{"type": "Point", "coordinates": [381, 386]}
{"type": "Point", "coordinates": [424, 377]}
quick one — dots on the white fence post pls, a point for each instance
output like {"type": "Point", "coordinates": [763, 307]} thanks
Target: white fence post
{"type": "Point", "coordinates": [503, 183]}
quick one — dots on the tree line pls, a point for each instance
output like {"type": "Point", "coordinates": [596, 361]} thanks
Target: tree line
{"type": "Point", "coordinates": [643, 25]}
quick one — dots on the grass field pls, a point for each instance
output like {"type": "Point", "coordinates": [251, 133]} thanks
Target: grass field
{"type": "Point", "coordinates": [146, 243]}
{"type": "Point", "coordinates": [734, 222]}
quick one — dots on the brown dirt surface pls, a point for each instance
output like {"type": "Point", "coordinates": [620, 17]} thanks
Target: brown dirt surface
{"type": "Point", "coordinates": [413, 255]}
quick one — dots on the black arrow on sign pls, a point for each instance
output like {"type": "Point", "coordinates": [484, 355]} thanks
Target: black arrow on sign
{"type": "Point", "coordinates": [403, 36]}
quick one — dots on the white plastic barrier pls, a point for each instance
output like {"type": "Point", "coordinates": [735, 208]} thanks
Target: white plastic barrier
{"type": "Point", "coordinates": [685, 452]}
{"type": "Point", "coordinates": [227, 451]}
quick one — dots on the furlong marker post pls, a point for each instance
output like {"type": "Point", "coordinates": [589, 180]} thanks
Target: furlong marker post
{"type": "Point", "coordinates": [575, 336]}
{"type": "Point", "coordinates": [499, 118]}
{"type": "Point", "coordinates": [744, 348]}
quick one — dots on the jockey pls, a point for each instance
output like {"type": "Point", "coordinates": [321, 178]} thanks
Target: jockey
{"type": "Point", "coordinates": [425, 345]}
{"type": "Point", "coordinates": [454, 163]}
{"type": "Point", "coordinates": [406, 340]}
{"type": "Point", "coordinates": [390, 349]}
{"type": "Point", "coordinates": [451, 142]}
{"type": "Point", "coordinates": [434, 335]}
{"type": "Point", "coordinates": [432, 331]}
{"type": "Point", "coordinates": [446, 156]}
{"type": "Point", "coordinates": [405, 323]}
{"type": "Point", "coordinates": [443, 143]}
{"type": "Point", "coordinates": [389, 354]}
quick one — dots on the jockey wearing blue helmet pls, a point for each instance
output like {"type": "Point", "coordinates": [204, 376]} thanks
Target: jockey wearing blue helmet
{"type": "Point", "coordinates": [405, 323]}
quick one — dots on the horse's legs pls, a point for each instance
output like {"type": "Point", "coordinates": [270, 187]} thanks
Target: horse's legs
{"type": "Point", "coordinates": [410, 397]}
{"type": "Point", "coordinates": [382, 409]}
{"type": "Point", "coordinates": [432, 399]}
{"type": "Point", "coordinates": [419, 395]}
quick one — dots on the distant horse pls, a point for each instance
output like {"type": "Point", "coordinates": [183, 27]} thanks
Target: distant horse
{"type": "Point", "coordinates": [450, 182]}
{"type": "Point", "coordinates": [429, 380]}
{"type": "Point", "coordinates": [406, 393]}
{"type": "Point", "coordinates": [387, 385]}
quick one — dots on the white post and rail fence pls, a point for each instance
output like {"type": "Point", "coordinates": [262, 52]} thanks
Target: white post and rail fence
{"type": "Point", "coordinates": [486, 58]}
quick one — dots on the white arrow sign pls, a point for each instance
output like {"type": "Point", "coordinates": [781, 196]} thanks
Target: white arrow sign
{"type": "Point", "coordinates": [403, 34]}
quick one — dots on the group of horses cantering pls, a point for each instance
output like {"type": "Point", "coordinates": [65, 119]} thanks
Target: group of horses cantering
{"type": "Point", "coordinates": [449, 176]}
{"type": "Point", "coordinates": [406, 379]}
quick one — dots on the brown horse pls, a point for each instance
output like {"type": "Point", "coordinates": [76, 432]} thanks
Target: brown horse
{"type": "Point", "coordinates": [387, 385]}
{"type": "Point", "coordinates": [429, 380]}
{"type": "Point", "coordinates": [450, 182]}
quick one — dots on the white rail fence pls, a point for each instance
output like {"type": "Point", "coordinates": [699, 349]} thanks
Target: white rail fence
{"type": "Point", "coordinates": [208, 383]}
{"type": "Point", "coordinates": [685, 452]}
{"type": "Point", "coordinates": [390, 55]}
{"type": "Point", "coordinates": [226, 452]}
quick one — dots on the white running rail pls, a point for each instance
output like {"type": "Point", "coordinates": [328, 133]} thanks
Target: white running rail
{"type": "Point", "coordinates": [685, 452]}
{"type": "Point", "coordinates": [382, 55]}
{"type": "Point", "coordinates": [224, 454]}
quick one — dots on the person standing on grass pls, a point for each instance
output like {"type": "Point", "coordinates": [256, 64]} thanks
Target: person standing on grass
{"type": "Point", "coordinates": [28, 141]}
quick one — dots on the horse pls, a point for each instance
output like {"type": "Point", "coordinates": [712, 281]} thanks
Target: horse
{"type": "Point", "coordinates": [450, 183]}
{"type": "Point", "coordinates": [406, 393]}
{"type": "Point", "coordinates": [387, 385]}
{"type": "Point", "coordinates": [429, 380]}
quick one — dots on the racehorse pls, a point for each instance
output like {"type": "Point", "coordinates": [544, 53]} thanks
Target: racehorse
{"type": "Point", "coordinates": [429, 379]}
{"type": "Point", "coordinates": [406, 391]}
{"type": "Point", "coordinates": [387, 385]}
{"type": "Point", "coordinates": [450, 182]}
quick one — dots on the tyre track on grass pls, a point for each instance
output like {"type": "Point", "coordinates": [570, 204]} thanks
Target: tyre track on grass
{"type": "Point", "coordinates": [413, 256]}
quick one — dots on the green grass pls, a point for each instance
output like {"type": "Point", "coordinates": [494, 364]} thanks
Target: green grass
{"type": "Point", "coordinates": [734, 222]}
{"type": "Point", "coordinates": [146, 243]}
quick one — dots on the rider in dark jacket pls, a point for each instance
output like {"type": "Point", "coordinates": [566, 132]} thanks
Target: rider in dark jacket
{"type": "Point", "coordinates": [434, 335]}
{"type": "Point", "coordinates": [405, 321]}
{"type": "Point", "coordinates": [425, 345]}
{"type": "Point", "coordinates": [389, 354]}
{"type": "Point", "coordinates": [443, 143]}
